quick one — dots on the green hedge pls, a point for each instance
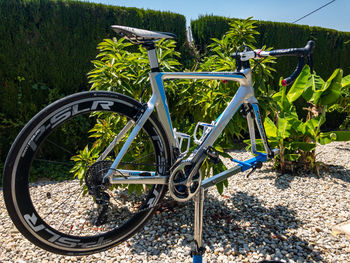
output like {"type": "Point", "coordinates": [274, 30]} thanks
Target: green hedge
{"type": "Point", "coordinates": [332, 47]}
{"type": "Point", "coordinates": [46, 48]}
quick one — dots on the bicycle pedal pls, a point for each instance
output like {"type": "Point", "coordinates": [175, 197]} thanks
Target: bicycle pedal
{"type": "Point", "coordinates": [213, 155]}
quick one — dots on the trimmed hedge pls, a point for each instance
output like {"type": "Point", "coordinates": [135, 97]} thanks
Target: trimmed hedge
{"type": "Point", "coordinates": [332, 47]}
{"type": "Point", "coordinates": [46, 48]}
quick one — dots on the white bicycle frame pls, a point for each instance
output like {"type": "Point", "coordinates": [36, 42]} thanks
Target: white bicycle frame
{"type": "Point", "coordinates": [158, 101]}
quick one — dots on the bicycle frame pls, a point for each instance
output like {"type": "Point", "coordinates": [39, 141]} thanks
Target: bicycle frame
{"type": "Point", "coordinates": [158, 101]}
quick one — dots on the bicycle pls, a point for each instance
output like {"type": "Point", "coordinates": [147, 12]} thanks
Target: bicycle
{"type": "Point", "coordinates": [142, 151]}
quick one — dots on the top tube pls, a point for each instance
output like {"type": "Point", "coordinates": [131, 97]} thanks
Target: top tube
{"type": "Point", "coordinates": [244, 78]}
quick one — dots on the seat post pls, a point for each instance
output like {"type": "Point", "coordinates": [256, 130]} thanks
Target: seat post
{"type": "Point", "coordinates": [152, 55]}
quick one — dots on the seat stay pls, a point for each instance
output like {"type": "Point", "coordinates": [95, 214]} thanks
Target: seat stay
{"type": "Point", "coordinates": [138, 126]}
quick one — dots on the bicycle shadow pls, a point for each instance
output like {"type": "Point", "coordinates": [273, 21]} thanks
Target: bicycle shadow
{"type": "Point", "coordinates": [240, 230]}
{"type": "Point", "coordinates": [266, 229]}
{"type": "Point", "coordinates": [283, 181]}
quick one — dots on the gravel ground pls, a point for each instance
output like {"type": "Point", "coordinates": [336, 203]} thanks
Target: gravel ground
{"type": "Point", "coordinates": [268, 216]}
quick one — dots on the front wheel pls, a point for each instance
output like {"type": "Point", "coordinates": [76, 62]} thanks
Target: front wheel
{"type": "Point", "coordinates": [48, 174]}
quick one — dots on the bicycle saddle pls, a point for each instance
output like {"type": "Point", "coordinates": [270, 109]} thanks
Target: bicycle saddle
{"type": "Point", "coordinates": [140, 35]}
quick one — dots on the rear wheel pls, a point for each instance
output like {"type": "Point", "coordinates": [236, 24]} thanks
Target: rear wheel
{"type": "Point", "coordinates": [51, 172]}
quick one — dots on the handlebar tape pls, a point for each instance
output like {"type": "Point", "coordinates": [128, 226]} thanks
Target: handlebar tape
{"type": "Point", "coordinates": [298, 52]}
{"type": "Point", "coordinates": [295, 74]}
{"type": "Point", "coordinates": [302, 53]}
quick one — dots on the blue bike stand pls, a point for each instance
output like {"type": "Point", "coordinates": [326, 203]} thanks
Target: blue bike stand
{"type": "Point", "coordinates": [198, 199]}
{"type": "Point", "coordinates": [198, 225]}
{"type": "Point", "coordinates": [251, 163]}
{"type": "Point", "coordinates": [197, 259]}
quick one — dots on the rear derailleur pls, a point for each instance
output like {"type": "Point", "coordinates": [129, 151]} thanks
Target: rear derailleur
{"type": "Point", "coordinates": [96, 188]}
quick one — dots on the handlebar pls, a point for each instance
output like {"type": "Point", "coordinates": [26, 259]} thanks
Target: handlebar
{"type": "Point", "coordinates": [302, 53]}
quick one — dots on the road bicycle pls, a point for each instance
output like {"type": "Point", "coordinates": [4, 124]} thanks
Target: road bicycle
{"type": "Point", "coordinates": [143, 157]}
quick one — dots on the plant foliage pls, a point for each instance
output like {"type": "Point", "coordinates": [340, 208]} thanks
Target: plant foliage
{"type": "Point", "coordinates": [46, 47]}
{"type": "Point", "coordinates": [297, 138]}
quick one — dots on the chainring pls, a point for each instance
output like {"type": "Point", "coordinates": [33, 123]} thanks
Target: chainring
{"type": "Point", "coordinates": [181, 187]}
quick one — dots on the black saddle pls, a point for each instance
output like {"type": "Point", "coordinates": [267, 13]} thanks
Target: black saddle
{"type": "Point", "coordinates": [140, 35]}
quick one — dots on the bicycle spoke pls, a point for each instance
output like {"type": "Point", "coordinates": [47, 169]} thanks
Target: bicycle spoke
{"type": "Point", "coordinates": [60, 147]}
{"type": "Point", "coordinates": [57, 162]}
{"type": "Point", "coordinates": [62, 203]}
{"type": "Point", "coordinates": [69, 211]}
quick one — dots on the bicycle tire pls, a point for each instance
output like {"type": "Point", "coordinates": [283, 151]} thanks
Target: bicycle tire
{"type": "Point", "coordinates": [23, 197]}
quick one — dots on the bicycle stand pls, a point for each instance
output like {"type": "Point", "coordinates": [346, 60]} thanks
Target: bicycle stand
{"type": "Point", "coordinates": [198, 251]}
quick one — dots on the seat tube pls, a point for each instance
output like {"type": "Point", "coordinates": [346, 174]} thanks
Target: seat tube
{"type": "Point", "coordinates": [152, 56]}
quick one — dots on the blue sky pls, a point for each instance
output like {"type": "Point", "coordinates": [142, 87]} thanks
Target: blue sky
{"type": "Point", "coordinates": [335, 15]}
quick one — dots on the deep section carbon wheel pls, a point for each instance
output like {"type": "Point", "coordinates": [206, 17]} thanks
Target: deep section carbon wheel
{"type": "Point", "coordinates": [60, 212]}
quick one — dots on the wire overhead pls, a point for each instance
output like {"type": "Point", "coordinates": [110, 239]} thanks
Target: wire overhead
{"type": "Point", "coordinates": [313, 11]}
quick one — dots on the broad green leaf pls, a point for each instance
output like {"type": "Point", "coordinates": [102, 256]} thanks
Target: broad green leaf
{"type": "Point", "coordinates": [327, 137]}
{"type": "Point", "coordinates": [314, 85]}
{"type": "Point", "coordinates": [316, 96]}
{"type": "Point", "coordinates": [342, 135]}
{"type": "Point", "coordinates": [345, 81]}
{"type": "Point", "coordinates": [299, 85]}
{"type": "Point", "coordinates": [270, 128]}
{"type": "Point", "coordinates": [282, 101]}
{"type": "Point", "coordinates": [332, 89]}
{"type": "Point", "coordinates": [260, 146]}
{"type": "Point", "coordinates": [304, 146]}
{"type": "Point", "coordinates": [296, 123]}
{"type": "Point", "coordinates": [284, 127]}
{"type": "Point", "coordinates": [330, 96]}
{"type": "Point", "coordinates": [310, 127]}
{"type": "Point", "coordinates": [292, 157]}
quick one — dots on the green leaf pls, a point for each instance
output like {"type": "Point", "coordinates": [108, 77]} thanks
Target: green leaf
{"type": "Point", "coordinates": [282, 101]}
{"type": "Point", "coordinates": [315, 84]}
{"type": "Point", "coordinates": [299, 85]}
{"type": "Point", "coordinates": [220, 187]}
{"type": "Point", "coordinates": [304, 146]}
{"type": "Point", "coordinates": [292, 157]}
{"type": "Point", "coordinates": [310, 127]}
{"type": "Point", "coordinates": [284, 127]}
{"type": "Point", "coordinates": [270, 128]}
{"type": "Point", "coordinates": [131, 188]}
{"type": "Point", "coordinates": [327, 137]}
{"type": "Point", "coordinates": [345, 81]}
{"type": "Point", "coordinates": [332, 89]}
{"type": "Point", "coordinates": [225, 182]}
{"type": "Point", "coordinates": [221, 151]}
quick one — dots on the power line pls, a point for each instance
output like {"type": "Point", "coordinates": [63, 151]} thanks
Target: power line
{"type": "Point", "coordinates": [313, 11]}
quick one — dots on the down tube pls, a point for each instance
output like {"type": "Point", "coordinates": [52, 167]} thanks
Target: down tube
{"type": "Point", "coordinates": [240, 97]}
